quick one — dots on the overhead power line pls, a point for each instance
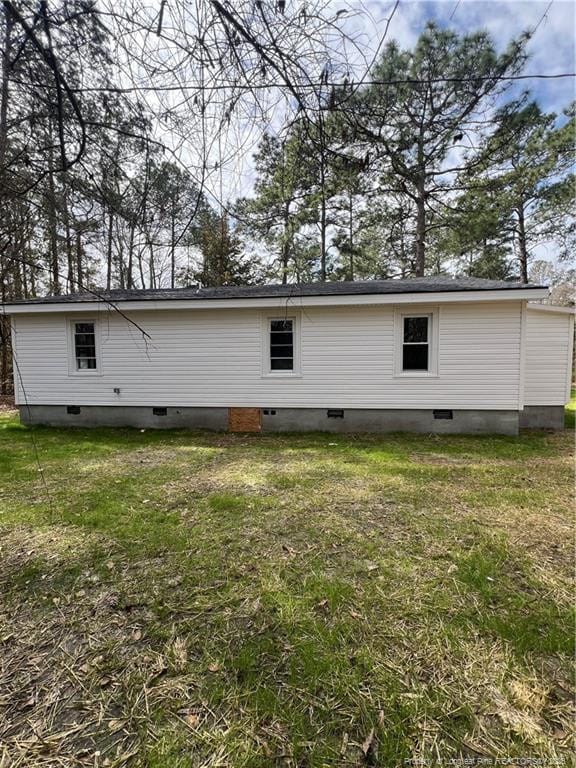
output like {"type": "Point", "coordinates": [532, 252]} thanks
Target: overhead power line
{"type": "Point", "coordinates": [455, 9]}
{"type": "Point", "coordinates": [544, 16]}
{"type": "Point", "coordinates": [313, 86]}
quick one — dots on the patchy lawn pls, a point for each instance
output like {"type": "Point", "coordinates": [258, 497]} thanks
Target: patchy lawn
{"type": "Point", "coordinates": [178, 599]}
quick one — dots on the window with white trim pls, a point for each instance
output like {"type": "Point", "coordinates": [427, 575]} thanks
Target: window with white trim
{"type": "Point", "coordinates": [416, 343]}
{"type": "Point", "coordinates": [281, 345]}
{"type": "Point", "coordinates": [84, 345]}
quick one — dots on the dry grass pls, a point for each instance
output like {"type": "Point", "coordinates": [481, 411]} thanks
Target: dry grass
{"type": "Point", "coordinates": [190, 600]}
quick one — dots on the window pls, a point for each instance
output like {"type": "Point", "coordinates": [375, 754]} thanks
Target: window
{"type": "Point", "coordinates": [415, 344]}
{"type": "Point", "coordinates": [281, 345]}
{"type": "Point", "coordinates": [84, 346]}
{"type": "Point", "coordinates": [416, 341]}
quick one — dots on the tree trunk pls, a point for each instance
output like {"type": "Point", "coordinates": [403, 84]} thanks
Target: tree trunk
{"type": "Point", "coordinates": [130, 265]}
{"type": "Point", "coordinates": [420, 262]}
{"type": "Point", "coordinates": [522, 245]}
{"type": "Point", "coordinates": [79, 270]}
{"type": "Point", "coordinates": [141, 267]}
{"type": "Point", "coordinates": [52, 221]}
{"type": "Point", "coordinates": [68, 234]}
{"type": "Point", "coordinates": [4, 351]}
{"type": "Point", "coordinates": [17, 272]}
{"type": "Point", "coordinates": [4, 90]}
{"type": "Point", "coordinates": [322, 216]}
{"type": "Point", "coordinates": [173, 248]}
{"type": "Point", "coordinates": [25, 289]}
{"type": "Point", "coordinates": [5, 354]}
{"type": "Point", "coordinates": [285, 254]}
{"type": "Point", "coordinates": [323, 238]}
{"type": "Point", "coordinates": [151, 265]}
{"type": "Point", "coordinates": [351, 235]}
{"type": "Point", "coordinates": [109, 252]}
{"type": "Point", "coordinates": [121, 266]}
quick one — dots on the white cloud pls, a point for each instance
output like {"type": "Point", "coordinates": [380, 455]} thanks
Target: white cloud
{"type": "Point", "coordinates": [551, 50]}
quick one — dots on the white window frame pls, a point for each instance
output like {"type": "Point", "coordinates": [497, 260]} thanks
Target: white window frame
{"type": "Point", "coordinates": [267, 371]}
{"type": "Point", "coordinates": [73, 370]}
{"type": "Point", "coordinates": [433, 315]}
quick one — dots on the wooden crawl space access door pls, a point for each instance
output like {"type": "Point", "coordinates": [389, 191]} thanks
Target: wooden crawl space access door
{"type": "Point", "coordinates": [244, 419]}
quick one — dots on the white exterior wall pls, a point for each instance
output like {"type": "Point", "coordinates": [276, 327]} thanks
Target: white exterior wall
{"type": "Point", "coordinates": [214, 358]}
{"type": "Point", "coordinates": [548, 357]}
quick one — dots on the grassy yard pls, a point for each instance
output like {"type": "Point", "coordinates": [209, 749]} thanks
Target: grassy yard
{"type": "Point", "coordinates": [178, 599]}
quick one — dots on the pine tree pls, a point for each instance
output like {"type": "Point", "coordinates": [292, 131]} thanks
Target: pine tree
{"type": "Point", "coordinates": [222, 262]}
{"type": "Point", "coordinates": [522, 190]}
{"type": "Point", "coordinates": [410, 123]}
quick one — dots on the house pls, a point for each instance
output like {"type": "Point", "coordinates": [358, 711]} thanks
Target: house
{"type": "Point", "coordinates": [424, 355]}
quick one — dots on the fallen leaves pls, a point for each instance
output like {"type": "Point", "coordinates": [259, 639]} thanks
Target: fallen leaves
{"type": "Point", "coordinates": [368, 741]}
{"type": "Point", "coordinates": [116, 725]}
{"type": "Point", "coordinates": [369, 748]}
{"type": "Point", "coordinates": [191, 720]}
{"type": "Point", "coordinates": [29, 703]}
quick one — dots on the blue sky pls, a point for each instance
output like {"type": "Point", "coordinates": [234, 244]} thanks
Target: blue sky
{"type": "Point", "coordinates": [552, 48]}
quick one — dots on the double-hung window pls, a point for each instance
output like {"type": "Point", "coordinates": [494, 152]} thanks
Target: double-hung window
{"type": "Point", "coordinates": [416, 343]}
{"type": "Point", "coordinates": [416, 337]}
{"type": "Point", "coordinates": [281, 346]}
{"type": "Point", "coordinates": [84, 346]}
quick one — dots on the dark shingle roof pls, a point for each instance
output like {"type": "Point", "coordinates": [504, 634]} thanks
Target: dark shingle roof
{"type": "Point", "coordinates": [291, 290]}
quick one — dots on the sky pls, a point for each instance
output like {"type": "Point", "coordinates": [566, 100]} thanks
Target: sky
{"type": "Point", "coordinates": [226, 149]}
{"type": "Point", "coordinates": [551, 50]}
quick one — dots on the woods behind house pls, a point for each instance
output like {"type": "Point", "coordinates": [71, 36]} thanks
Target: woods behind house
{"type": "Point", "coordinates": [436, 159]}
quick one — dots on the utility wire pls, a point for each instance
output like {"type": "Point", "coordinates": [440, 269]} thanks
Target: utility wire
{"type": "Point", "coordinates": [544, 16]}
{"type": "Point", "coordinates": [102, 297]}
{"type": "Point", "coordinates": [314, 86]}
{"type": "Point", "coordinates": [455, 9]}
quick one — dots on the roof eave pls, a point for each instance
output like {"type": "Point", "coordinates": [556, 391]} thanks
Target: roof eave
{"type": "Point", "coordinates": [281, 302]}
{"type": "Point", "coordinates": [551, 308]}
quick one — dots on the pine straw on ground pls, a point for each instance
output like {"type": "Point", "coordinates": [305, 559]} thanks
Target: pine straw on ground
{"type": "Point", "coordinates": [297, 601]}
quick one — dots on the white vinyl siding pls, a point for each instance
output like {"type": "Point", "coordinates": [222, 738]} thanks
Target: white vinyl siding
{"type": "Point", "coordinates": [548, 357]}
{"type": "Point", "coordinates": [214, 358]}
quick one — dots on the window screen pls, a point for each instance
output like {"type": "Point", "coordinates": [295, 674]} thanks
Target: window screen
{"type": "Point", "coordinates": [415, 347]}
{"type": "Point", "coordinates": [85, 346]}
{"type": "Point", "coordinates": [281, 345]}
